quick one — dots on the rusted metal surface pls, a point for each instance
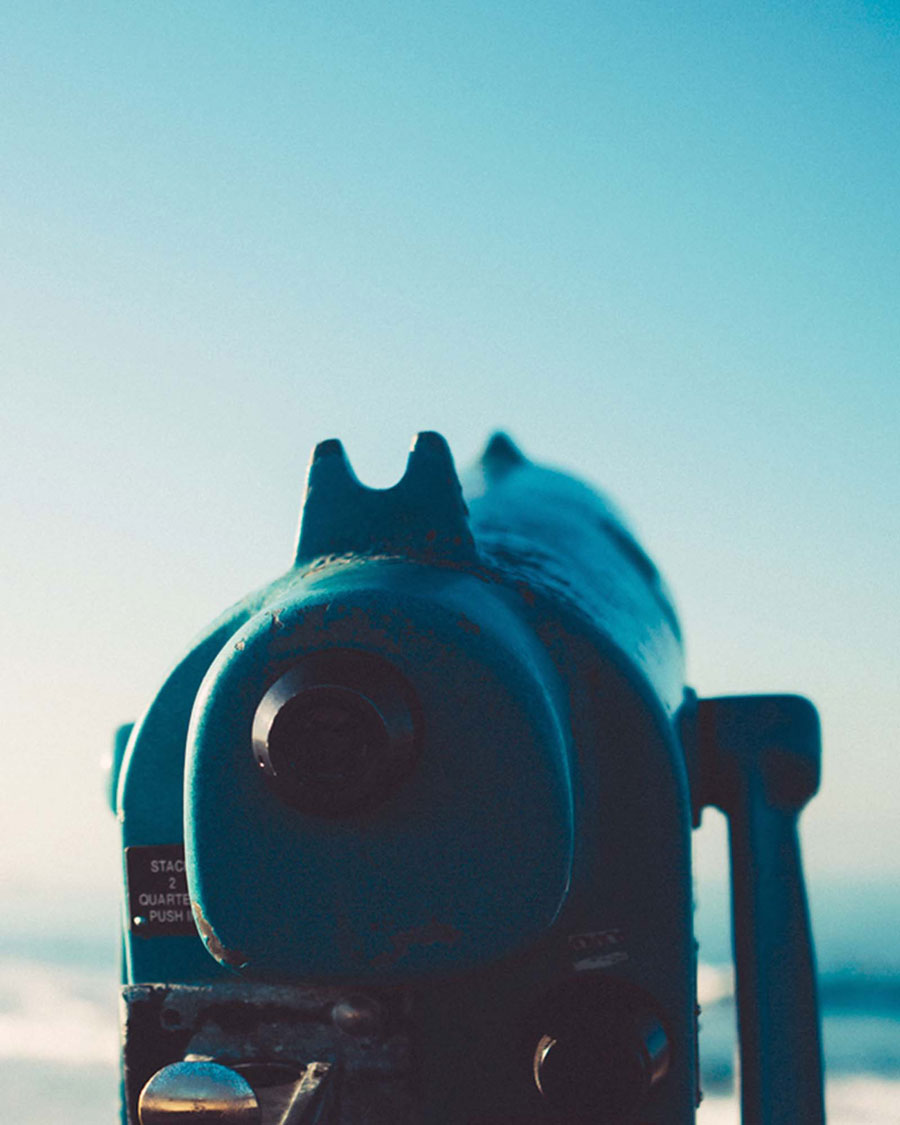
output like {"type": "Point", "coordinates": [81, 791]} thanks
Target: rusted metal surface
{"type": "Point", "coordinates": [284, 1042]}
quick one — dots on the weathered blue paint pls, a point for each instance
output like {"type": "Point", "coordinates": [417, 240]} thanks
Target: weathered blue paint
{"type": "Point", "coordinates": [544, 834]}
{"type": "Point", "coordinates": [468, 860]}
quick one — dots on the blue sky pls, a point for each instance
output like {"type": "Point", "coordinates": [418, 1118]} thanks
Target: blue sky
{"type": "Point", "coordinates": [659, 244]}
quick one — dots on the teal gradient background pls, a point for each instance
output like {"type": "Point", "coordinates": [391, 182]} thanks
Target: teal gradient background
{"type": "Point", "coordinates": [659, 244]}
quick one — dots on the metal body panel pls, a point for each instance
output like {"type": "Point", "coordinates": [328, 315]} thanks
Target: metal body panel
{"type": "Point", "coordinates": [470, 859]}
{"type": "Point", "coordinates": [542, 530]}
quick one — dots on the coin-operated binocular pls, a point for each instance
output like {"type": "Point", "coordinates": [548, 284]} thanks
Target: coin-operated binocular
{"type": "Point", "coordinates": [407, 832]}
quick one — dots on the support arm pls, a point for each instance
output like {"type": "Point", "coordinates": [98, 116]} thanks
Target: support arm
{"type": "Point", "coordinates": [758, 759]}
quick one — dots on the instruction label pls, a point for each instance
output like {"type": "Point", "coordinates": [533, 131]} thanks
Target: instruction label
{"type": "Point", "coordinates": [158, 901]}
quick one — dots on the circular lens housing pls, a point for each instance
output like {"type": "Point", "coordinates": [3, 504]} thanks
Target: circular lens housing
{"type": "Point", "coordinates": [337, 732]}
{"type": "Point", "coordinates": [602, 1050]}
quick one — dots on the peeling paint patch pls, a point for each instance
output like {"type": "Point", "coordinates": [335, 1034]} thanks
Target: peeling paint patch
{"type": "Point", "coordinates": [234, 958]}
{"type": "Point", "coordinates": [526, 593]}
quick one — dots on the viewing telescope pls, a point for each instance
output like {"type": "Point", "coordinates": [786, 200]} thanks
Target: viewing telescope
{"type": "Point", "coordinates": [407, 832]}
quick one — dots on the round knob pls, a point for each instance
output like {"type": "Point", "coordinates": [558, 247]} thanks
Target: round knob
{"type": "Point", "coordinates": [198, 1091]}
{"type": "Point", "coordinates": [336, 733]}
{"type": "Point", "coordinates": [600, 1056]}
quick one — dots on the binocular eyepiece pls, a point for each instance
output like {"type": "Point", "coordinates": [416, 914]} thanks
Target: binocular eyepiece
{"type": "Point", "coordinates": [337, 733]}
